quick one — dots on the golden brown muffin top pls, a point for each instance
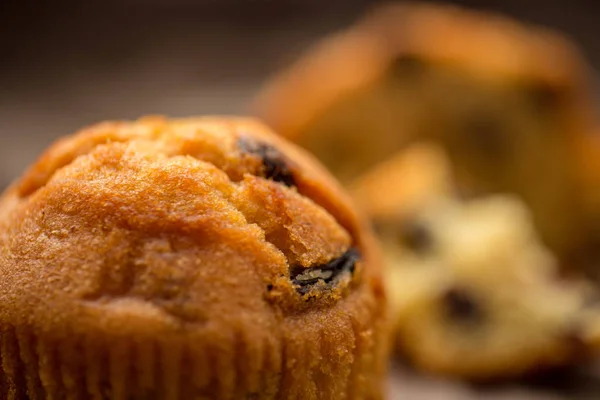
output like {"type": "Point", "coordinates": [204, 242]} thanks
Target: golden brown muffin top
{"type": "Point", "coordinates": [181, 221]}
{"type": "Point", "coordinates": [486, 45]}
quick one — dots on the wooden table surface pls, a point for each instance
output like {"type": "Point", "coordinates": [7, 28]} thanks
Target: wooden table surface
{"type": "Point", "coordinates": [184, 66]}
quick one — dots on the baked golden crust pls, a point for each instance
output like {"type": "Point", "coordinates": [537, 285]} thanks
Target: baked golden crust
{"type": "Point", "coordinates": [197, 258]}
{"type": "Point", "coordinates": [509, 102]}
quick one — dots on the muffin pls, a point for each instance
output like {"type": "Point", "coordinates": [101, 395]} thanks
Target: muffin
{"type": "Point", "coordinates": [588, 167]}
{"type": "Point", "coordinates": [506, 100]}
{"type": "Point", "coordinates": [186, 259]}
{"type": "Point", "coordinates": [474, 293]}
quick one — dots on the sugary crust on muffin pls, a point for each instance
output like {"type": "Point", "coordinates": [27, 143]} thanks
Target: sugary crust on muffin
{"type": "Point", "coordinates": [176, 241]}
{"type": "Point", "coordinates": [485, 45]}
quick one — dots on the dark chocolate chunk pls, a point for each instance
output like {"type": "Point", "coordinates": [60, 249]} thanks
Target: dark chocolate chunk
{"type": "Point", "coordinates": [274, 164]}
{"type": "Point", "coordinates": [416, 236]}
{"type": "Point", "coordinates": [460, 306]}
{"type": "Point", "coordinates": [304, 278]}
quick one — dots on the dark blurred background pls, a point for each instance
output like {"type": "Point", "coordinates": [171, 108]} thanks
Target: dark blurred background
{"type": "Point", "coordinates": [70, 63]}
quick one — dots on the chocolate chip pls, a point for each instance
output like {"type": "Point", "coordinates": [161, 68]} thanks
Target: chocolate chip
{"type": "Point", "coordinates": [460, 306]}
{"type": "Point", "coordinates": [416, 236]}
{"type": "Point", "coordinates": [274, 164]}
{"type": "Point", "coordinates": [304, 278]}
{"type": "Point", "coordinates": [269, 287]}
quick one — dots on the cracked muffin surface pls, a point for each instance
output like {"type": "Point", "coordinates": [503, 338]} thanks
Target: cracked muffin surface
{"type": "Point", "coordinates": [196, 258]}
{"type": "Point", "coordinates": [474, 293]}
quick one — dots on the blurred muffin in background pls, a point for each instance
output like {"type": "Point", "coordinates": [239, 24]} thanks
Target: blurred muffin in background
{"type": "Point", "coordinates": [201, 258]}
{"type": "Point", "coordinates": [474, 293]}
{"type": "Point", "coordinates": [588, 174]}
{"type": "Point", "coordinates": [509, 103]}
